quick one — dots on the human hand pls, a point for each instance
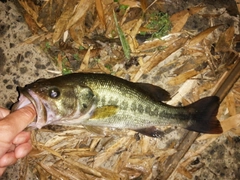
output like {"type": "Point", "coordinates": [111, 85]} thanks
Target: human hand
{"type": "Point", "coordinates": [14, 142]}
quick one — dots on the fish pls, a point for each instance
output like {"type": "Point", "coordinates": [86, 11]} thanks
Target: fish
{"type": "Point", "coordinates": [103, 100]}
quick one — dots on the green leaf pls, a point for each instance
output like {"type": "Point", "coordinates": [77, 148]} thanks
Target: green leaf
{"type": "Point", "coordinates": [125, 45]}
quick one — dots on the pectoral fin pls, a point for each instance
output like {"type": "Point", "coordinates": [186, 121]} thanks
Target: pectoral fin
{"type": "Point", "coordinates": [150, 131]}
{"type": "Point", "coordinates": [95, 130]}
{"type": "Point", "coordinates": [104, 112]}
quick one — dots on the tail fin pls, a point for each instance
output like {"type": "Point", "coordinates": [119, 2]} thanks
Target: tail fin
{"type": "Point", "coordinates": [204, 118]}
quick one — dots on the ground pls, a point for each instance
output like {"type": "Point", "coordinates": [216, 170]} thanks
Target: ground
{"type": "Point", "coordinates": [183, 68]}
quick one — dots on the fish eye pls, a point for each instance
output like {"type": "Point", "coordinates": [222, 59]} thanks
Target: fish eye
{"type": "Point", "coordinates": [54, 93]}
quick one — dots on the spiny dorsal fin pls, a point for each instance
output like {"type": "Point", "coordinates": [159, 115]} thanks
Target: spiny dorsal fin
{"type": "Point", "coordinates": [155, 92]}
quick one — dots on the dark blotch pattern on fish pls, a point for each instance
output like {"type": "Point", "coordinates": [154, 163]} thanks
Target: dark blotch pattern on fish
{"type": "Point", "coordinates": [124, 105]}
{"type": "Point", "coordinates": [103, 100]}
{"type": "Point", "coordinates": [133, 106]}
{"type": "Point", "coordinates": [113, 101]}
{"type": "Point", "coordinates": [140, 108]}
{"type": "Point", "coordinates": [147, 110]}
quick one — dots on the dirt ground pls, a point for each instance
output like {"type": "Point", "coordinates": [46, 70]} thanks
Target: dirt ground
{"type": "Point", "coordinates": [198, 57]}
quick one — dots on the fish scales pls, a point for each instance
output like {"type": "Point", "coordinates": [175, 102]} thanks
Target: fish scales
{"type": "Point", "coordinates": [130, 100]}
{"type": "Point", "coordinates": [105, 100]}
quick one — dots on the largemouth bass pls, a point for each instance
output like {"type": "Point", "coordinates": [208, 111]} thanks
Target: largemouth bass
{"type": "Point", "coordinates": [90, 99]}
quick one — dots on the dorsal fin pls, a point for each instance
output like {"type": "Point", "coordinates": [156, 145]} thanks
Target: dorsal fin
{"type": "Point", "coordinates": [155, 92]}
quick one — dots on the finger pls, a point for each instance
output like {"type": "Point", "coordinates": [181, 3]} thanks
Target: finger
{"type": "Point", "coordinates": [8, 159]}
{"type": "Point", "coordinates": [23, 149]}
{"type": "Point", "coordinates": [15, 122]}
{"type": "Point", "coordinates": [3, 112]}
{"type": "Point", "coordinates": [11, 148]}
{"type": "Point", "coordinates": [2, 171]}
{"type": "Point", "coordinates": [22, 137]}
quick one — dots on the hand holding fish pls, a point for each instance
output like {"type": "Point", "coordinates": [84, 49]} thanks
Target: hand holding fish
{"type": "Point", "coordinates": [14, 142]}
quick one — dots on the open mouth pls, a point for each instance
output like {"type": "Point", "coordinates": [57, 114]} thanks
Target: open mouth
{"type": "Point", "coordinates": [27, 97]}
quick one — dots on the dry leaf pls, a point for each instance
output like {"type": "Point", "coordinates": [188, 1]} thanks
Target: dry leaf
{"type": "Point", "coordinates": [85, 61]}
{"type": "Point", "coordinates": [225, 40]}
{"type": "Point", "coordinates": [122, 143]}
{"type": "Point", "coordinates": [182, 170]}
{"type": "Point", "coordinates": [195, 10]}
{"type": "Point", "coordinates": [143, 5]}
{"type": "Point", "coordinates": [79, 11]}
{"type": "Point", "coordinates": [32, 12]}
{"type": "Point", "coordinates": [31, 23]}
{"type": "Point", "coordinates": [77, 32]}
{"type": "Point", "coordinates": [149, 45]}
{"type": "Point", "coordinates": [131, 37]}
{"type": "Point", "coordinates": [182, 77]}
{"type": "Point", "coordinates": [171, 48]}
{"type": "Point", "coordinates": [230, 99]}
{"type": "Point", "coordinates": [54, 172]}
{"type": "Point", "coordinates": [202, 35]}
{"type": "Point", "coordinates": [62, 22]}
{"type": "Point", "coordinates": [178, 20]}
{"type": "Point", "coordinates": [130, 3]}
{"type": "Point", "coordinates": [100, 12]}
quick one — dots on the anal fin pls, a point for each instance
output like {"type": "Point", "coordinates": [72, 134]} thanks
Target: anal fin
{"type": "Point", "coordinates": [150, 131]}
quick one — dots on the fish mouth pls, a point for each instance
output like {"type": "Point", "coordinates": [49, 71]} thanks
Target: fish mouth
{"type": "Point", "coordinates": [26, 97]}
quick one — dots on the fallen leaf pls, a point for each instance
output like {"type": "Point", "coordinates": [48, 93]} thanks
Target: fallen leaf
{"type": "Point", "coordinates": [224, 42]}
{"type": "Point", "coordinates": [100, 12]}
{"type": "Point", "coordinates": [62, 22]}
{"type": "Point", "coordinates": [79, 11]}
{"type": "Point", "coordinates": [171, 46]}
{"type": "Point", "coordinates": [202, 35]}
{"type": "Point", "coordinates": [178, 20]}
{"type": "Point", "coordinates": [182, 77]}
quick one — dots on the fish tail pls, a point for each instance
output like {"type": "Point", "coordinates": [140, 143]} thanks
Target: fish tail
{"type": "Point", "coordinates": [204, 116]}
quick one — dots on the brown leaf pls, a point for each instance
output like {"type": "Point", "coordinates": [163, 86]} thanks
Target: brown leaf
{"type": "Point", "coordinates": [182, 77]}
{"type": "Point", "coordinates": [62, 22]}
{"type": "Point", "coordinates": [225, 40]}
{"type": "Point", "coordinates": [178, 20]}
{"type": "Point", "coordinates": [77, 32]}
{"type": "Point", "coordinates": [202, 35]}
{"type": "Point", "coordinates": [31, 23]}
{"type": "Point", "coordinates": [130, 3]}
{"type": "Point", "coordinates": [182, 170]}
{"type": "Point", "coordinates": [195, 10]}
{"type": "Point", "coordinates": [32, 10]}
{"type": "Point", "coordinates": [100, 12]}
{"type": "Point", "coordinates": [85, 61]}
{"type": "Point", "coordinates": [143, 5]}
{"type": "Point", "coordinates": [231, 103]}
{"type": "Point", "coordinates": [80, 10]}
{"type": "Point", "coordinates": [172, 47]}
{"type": "Point", "coordinates": [148, 45]}
{"type": "Point", "coordinates": [131, 38]}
